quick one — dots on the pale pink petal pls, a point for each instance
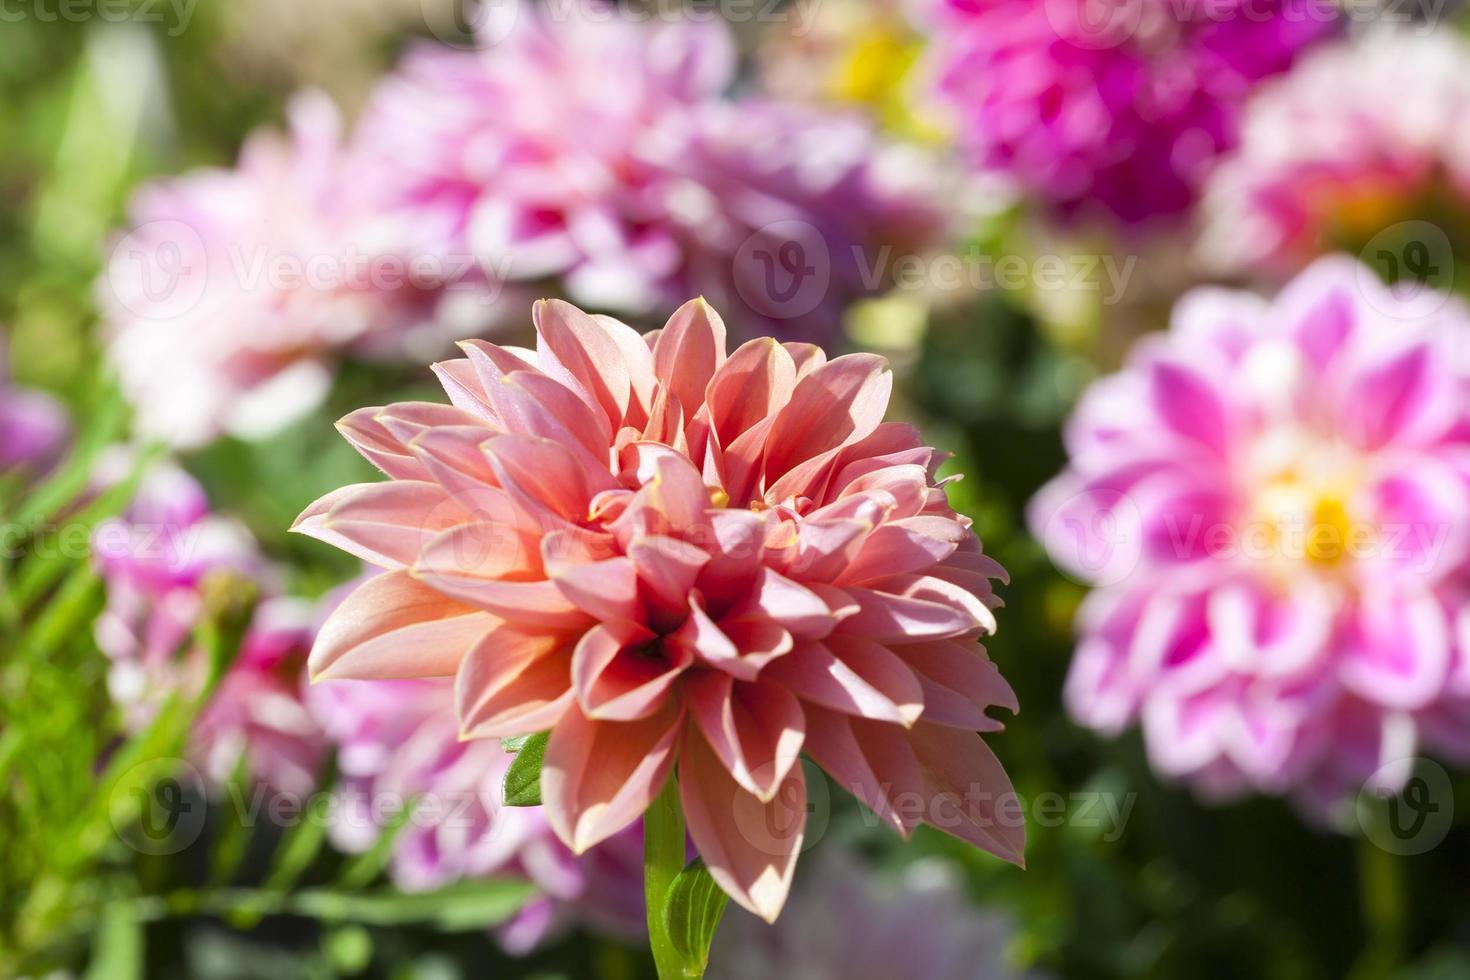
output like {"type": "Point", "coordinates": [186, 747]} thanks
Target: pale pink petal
{"type": "Point", "coordinates": [513, 682]}
{"type": "Point", "coordinates": [871, 760]}
{"type": "Point", "coordinates": [599, 776]}
{"type": "Point", "coordinates": [749, 847]}
{"type": "Point", "coordinates": [755, 728]}
{"type": "Point", "coordinates": [969, 794]}
{"type": "Point", "coordinates": [392, 626]}
{"type": "Point", "coordinates": [854, 676]}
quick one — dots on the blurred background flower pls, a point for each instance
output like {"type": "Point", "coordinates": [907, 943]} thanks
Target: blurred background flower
{"type": "Point", "coordinates": [1230, 765]}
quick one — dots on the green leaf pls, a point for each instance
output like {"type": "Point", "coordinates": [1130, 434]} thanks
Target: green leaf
{"type": "Point", "coordinates": [523, 778]}
{"type": "Point", "coordinates": [117, 953]}
{"type": "Point", "coordinates": [691, 913]}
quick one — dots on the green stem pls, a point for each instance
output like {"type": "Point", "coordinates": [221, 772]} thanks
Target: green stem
{"type": "Point", "coordinates": [663, 859]}
{"type": "Point", "coordinates": [1382, 894]}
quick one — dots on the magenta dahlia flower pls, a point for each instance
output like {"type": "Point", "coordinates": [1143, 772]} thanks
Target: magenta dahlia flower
{"type": "Point", "coordinates": [1110, 109]}
{"type": "Point", "coordinates": [156, 561]}
{"type": "Point", "coordinates": [233, 291]}
{"type": "Point", "coordinates": [663, 553]}
{"type": "Point", "coordinates": [399, 740]}
{"type": "Point", "coordinates": [1274, 502]}
{"type": "Point", "coordinates": [639, 194]}
{"type": "Point", "coordinates": [1361, 135]}
{"type": "Point", "coordinates": [33, 425]}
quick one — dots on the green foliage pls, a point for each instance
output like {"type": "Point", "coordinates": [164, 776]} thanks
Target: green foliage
{"type": "Point", "coordinates": [523, 778]}
{"type": "Point", "coordinates": [691, 914]}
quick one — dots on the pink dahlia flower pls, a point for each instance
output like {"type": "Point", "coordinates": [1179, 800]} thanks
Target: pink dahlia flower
{"type": "Point", "coordinates": [1274, 500]}
{"type": "Point", "coordinates": [1101, 108]}
{"type": "Point", "coordinates": [398, 740]}
{"type": "Point", "coordinates": [641, 193]}
{"type": "Point", "coordinates": [33, 425]}
{"type": "Point", "coordinates": [662, 553]}
{"type": "Point", "coordinates": [233, 291]}
{"type": "Point", "coordinates": [156, 561]}
{"type": "Point", "coordinates": [1363, 134]}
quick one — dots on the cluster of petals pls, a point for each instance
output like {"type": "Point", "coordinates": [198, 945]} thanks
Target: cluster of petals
{"type": "Point", "coordinates": [233, 291]}
{"type": "Point", "coordinates": [1273, 500]}
{"type": "Point", "coordinates": [398, 746]}
{"type": "Point", "coordinates": [666, 554]}
{"type": "Point", "coordinates": [1332, 154]}
{"type": "Point", "coordinates": [157, 562]}
{"type": "Point", "coordinates": [1110, 110]}
{"type": "Point", "coordinates": [639, 194]}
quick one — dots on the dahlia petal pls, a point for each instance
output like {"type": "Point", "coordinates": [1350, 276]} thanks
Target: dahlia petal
{"type": "Point", "coordinates": [452, 457]}
{"type": "Point", "coordinates": [703, 638]}
{"type": "Point", "coordinates": [970, 796]}
{"type": "Point", "coordinates": [958, 669]}
{"type": "Point", "coordinates": [606, 590]}
{"type": "Point", "coordinates": [599, 776]}
{"type": "Point", "coordinates": [575, 349]}
{"type": "Point", "coordinates": [889, 618]}
{"type": "Point", "coordinates": [468, 563]}
{"type": "Point", "coordinates": [805, 357]}
{"type": "Point", "coordinates": [462, 385]}
{"type": "Point", "coordinates": [615, 680]}
{"type": "Point", "coordinates": [513, 682]}
{"type": "Point", "coordinates": [902, 547]}
{"type": "Point", "coordinates": [378, 446]}
{"type": "Point", "coordinates": [540, 406]}
{"type": "Point", "coordinates": [384, 524]}
{"type": "Point", "coordinates": [392, 626]}
{"type": "Point", "coordinates": [667, 568]}
{"type": "Point", "coordinates": [838, 403]}
{"type": "Point", "coordinates": [545, 476]}
{"type": "Point", "coordinates": [689, 350]}
{"type": "Point", "coordinates": [1190, 405]}
{"type": "Point", "coordinates": [755, 728]}
{"type": "Point", "coordinates": [1398, 651]}
{"type": "Point", "coordinates": [749, 847]}
{"type": "Point", "coordinates": [853, 676]}
{"type": "Point", "coordinates": [752, 385]}
{"type": "Point", "coordinates": [871, 760]}
{"type": "Point", "coordinates": [642, 382]}
{"type": "Point", "coordinates": [1407, 397]}
{"type": "Point", "coordinates": [795, 607]}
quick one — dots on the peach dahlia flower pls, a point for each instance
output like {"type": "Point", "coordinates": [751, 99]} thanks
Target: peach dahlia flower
{"type": "Point", "coordinates": [667, 555]}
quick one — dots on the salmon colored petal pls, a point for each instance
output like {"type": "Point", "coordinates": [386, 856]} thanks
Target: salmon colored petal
{"type": "Point", "coordinates": [639, 359]}
{"type": "Point", "coordinates": [840, 402]}
{"type": "Point", "coordinates": [385, 524]}
{"type": "Point", "coordinates": [549, 409]}
{"type": "Point", "coordinates": [490, 566]}
{"type": "Point", "coordinates": [667, 569]}
{"type": "Point", "coordinates": [794, 607]}
{"type": "Point", "coordinates": [754, 383]}
{"type": "Point", "coordinates": [544, 475]}
{"type": "Point", "coordinates": [606, 590]}
{"type": "Point", "coordinates": [599, 776]}
{"type": "Point", "coordinates": [378, 446]}
{"type": "Point", "coordinates": [755, 728]}
{"type": "Point", "coordinates": [890, 618]}
{"type": "Point", "coordinates": [688, 351]}
{"type": "Point", "coordinates": [854, 676]}
{"type": "Point", "coordinates": [621, 673]}
{"type": "Point", "coordinates": [392, 626]}
{"type": "Point", "coordinates": [903, 547]}
{"type": "Point", "coordinates": [749, 847]}
{"type": "Point", "coordinates": [458, 379]}
{"type": "Point", "coordinates": [452, 457]}
{"type": "Point", "coordinates": [969, 795]}
{"type": "Point", "coordinates": [513, 682]}
{"type": "Point", "coordinates": [573, 348]}
{"type": "Point", "coordinates": [959, 683]}
{"type": "Point", "coordinates": [871, 760]}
